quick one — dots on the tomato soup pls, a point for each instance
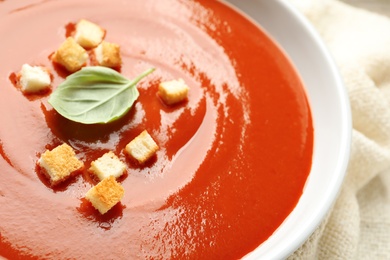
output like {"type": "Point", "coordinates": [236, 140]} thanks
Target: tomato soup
{"type": "Point", "coordinates": [233, 158]}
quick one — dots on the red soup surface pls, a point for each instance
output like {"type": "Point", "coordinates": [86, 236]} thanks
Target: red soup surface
{"type": "Point", "coordinates": [233, 158]}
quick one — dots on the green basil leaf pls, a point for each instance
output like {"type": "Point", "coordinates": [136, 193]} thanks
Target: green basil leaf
{"type": "Point", "coordinates": [95, 95]}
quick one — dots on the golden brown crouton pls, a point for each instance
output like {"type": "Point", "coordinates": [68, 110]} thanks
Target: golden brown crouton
{"type": "Point", "coordinates": [142, 147]}
{"type": "Point", "coordinates": [60, 163]}
{"type": "Point", "coordinates": [108, 55]}
{"type": "Point", "coordinates": [174, 91]}
{"type": "Point", "coordinates": [105, 195]}
{"type": "Point", "coordinates": [107, 165]}
{"type": "Point", "coordinates": [71, 55]}
{"type": "Point", "coordinates": [88, 34]}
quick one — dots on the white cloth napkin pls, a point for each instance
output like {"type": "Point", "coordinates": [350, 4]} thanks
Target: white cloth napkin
{"type": "Point", "coordinates": [358, 226]}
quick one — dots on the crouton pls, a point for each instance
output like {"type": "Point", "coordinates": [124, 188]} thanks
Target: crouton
{"type": "Point", "coordinates": [108, 55]}
{"type": "Point", "coordinates": [174, 91]}
{"type": "Point", "coordinates": [60, 163]}
{"type": "Point", "coordinates": [105, 195]}
{"type": "Point", "coordinates": [88, 34]}
{"type": "Point", "coordinates": [34, 79]}
{"type": "Point", "coordinates": [71, 55]}
{"type": "Point", "coordinates": [107, 165]}
{"type": "Point", "coordinates": [142, 147]}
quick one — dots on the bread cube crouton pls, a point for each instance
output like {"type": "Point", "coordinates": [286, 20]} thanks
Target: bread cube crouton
{"type": "Point", "coordinates": [71, 55]}
{"type": "Point", "coordinates": [105, 195]}
{"type": "Point", "coordinates": [108, 55]}
{"type": "Point", "coordinates": [142, 147]}
{"type": "Point", "coordinates": [34, 79]}
{"type": "Point", "coordinates": [108, 165]}
{"type": "Point", "coordinates": [172, 92]}
{"type": "Point", "coordinates": [88, 34]}
{"type": "Point", "coordinates": [60, 163]}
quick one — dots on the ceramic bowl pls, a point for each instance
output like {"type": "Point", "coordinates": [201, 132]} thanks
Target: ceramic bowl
{"type": "Point", "coordinates": [331, 115]}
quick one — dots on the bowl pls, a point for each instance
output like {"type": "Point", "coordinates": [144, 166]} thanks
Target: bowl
{"type": "Point", "coordinates": [331, 117]}
{"type": "Point", "coordinates": [169, 191]}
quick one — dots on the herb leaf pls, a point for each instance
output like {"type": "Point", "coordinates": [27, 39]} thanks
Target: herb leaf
{"type": "Point", "coordinates": [95, 95]}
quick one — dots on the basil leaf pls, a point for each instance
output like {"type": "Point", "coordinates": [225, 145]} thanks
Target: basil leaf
{"type": "Point", "coordinates": [95, 95]}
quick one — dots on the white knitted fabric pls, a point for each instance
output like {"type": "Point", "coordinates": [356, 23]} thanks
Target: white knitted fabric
{"type": "Point", "coordinates": [358, 227]}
